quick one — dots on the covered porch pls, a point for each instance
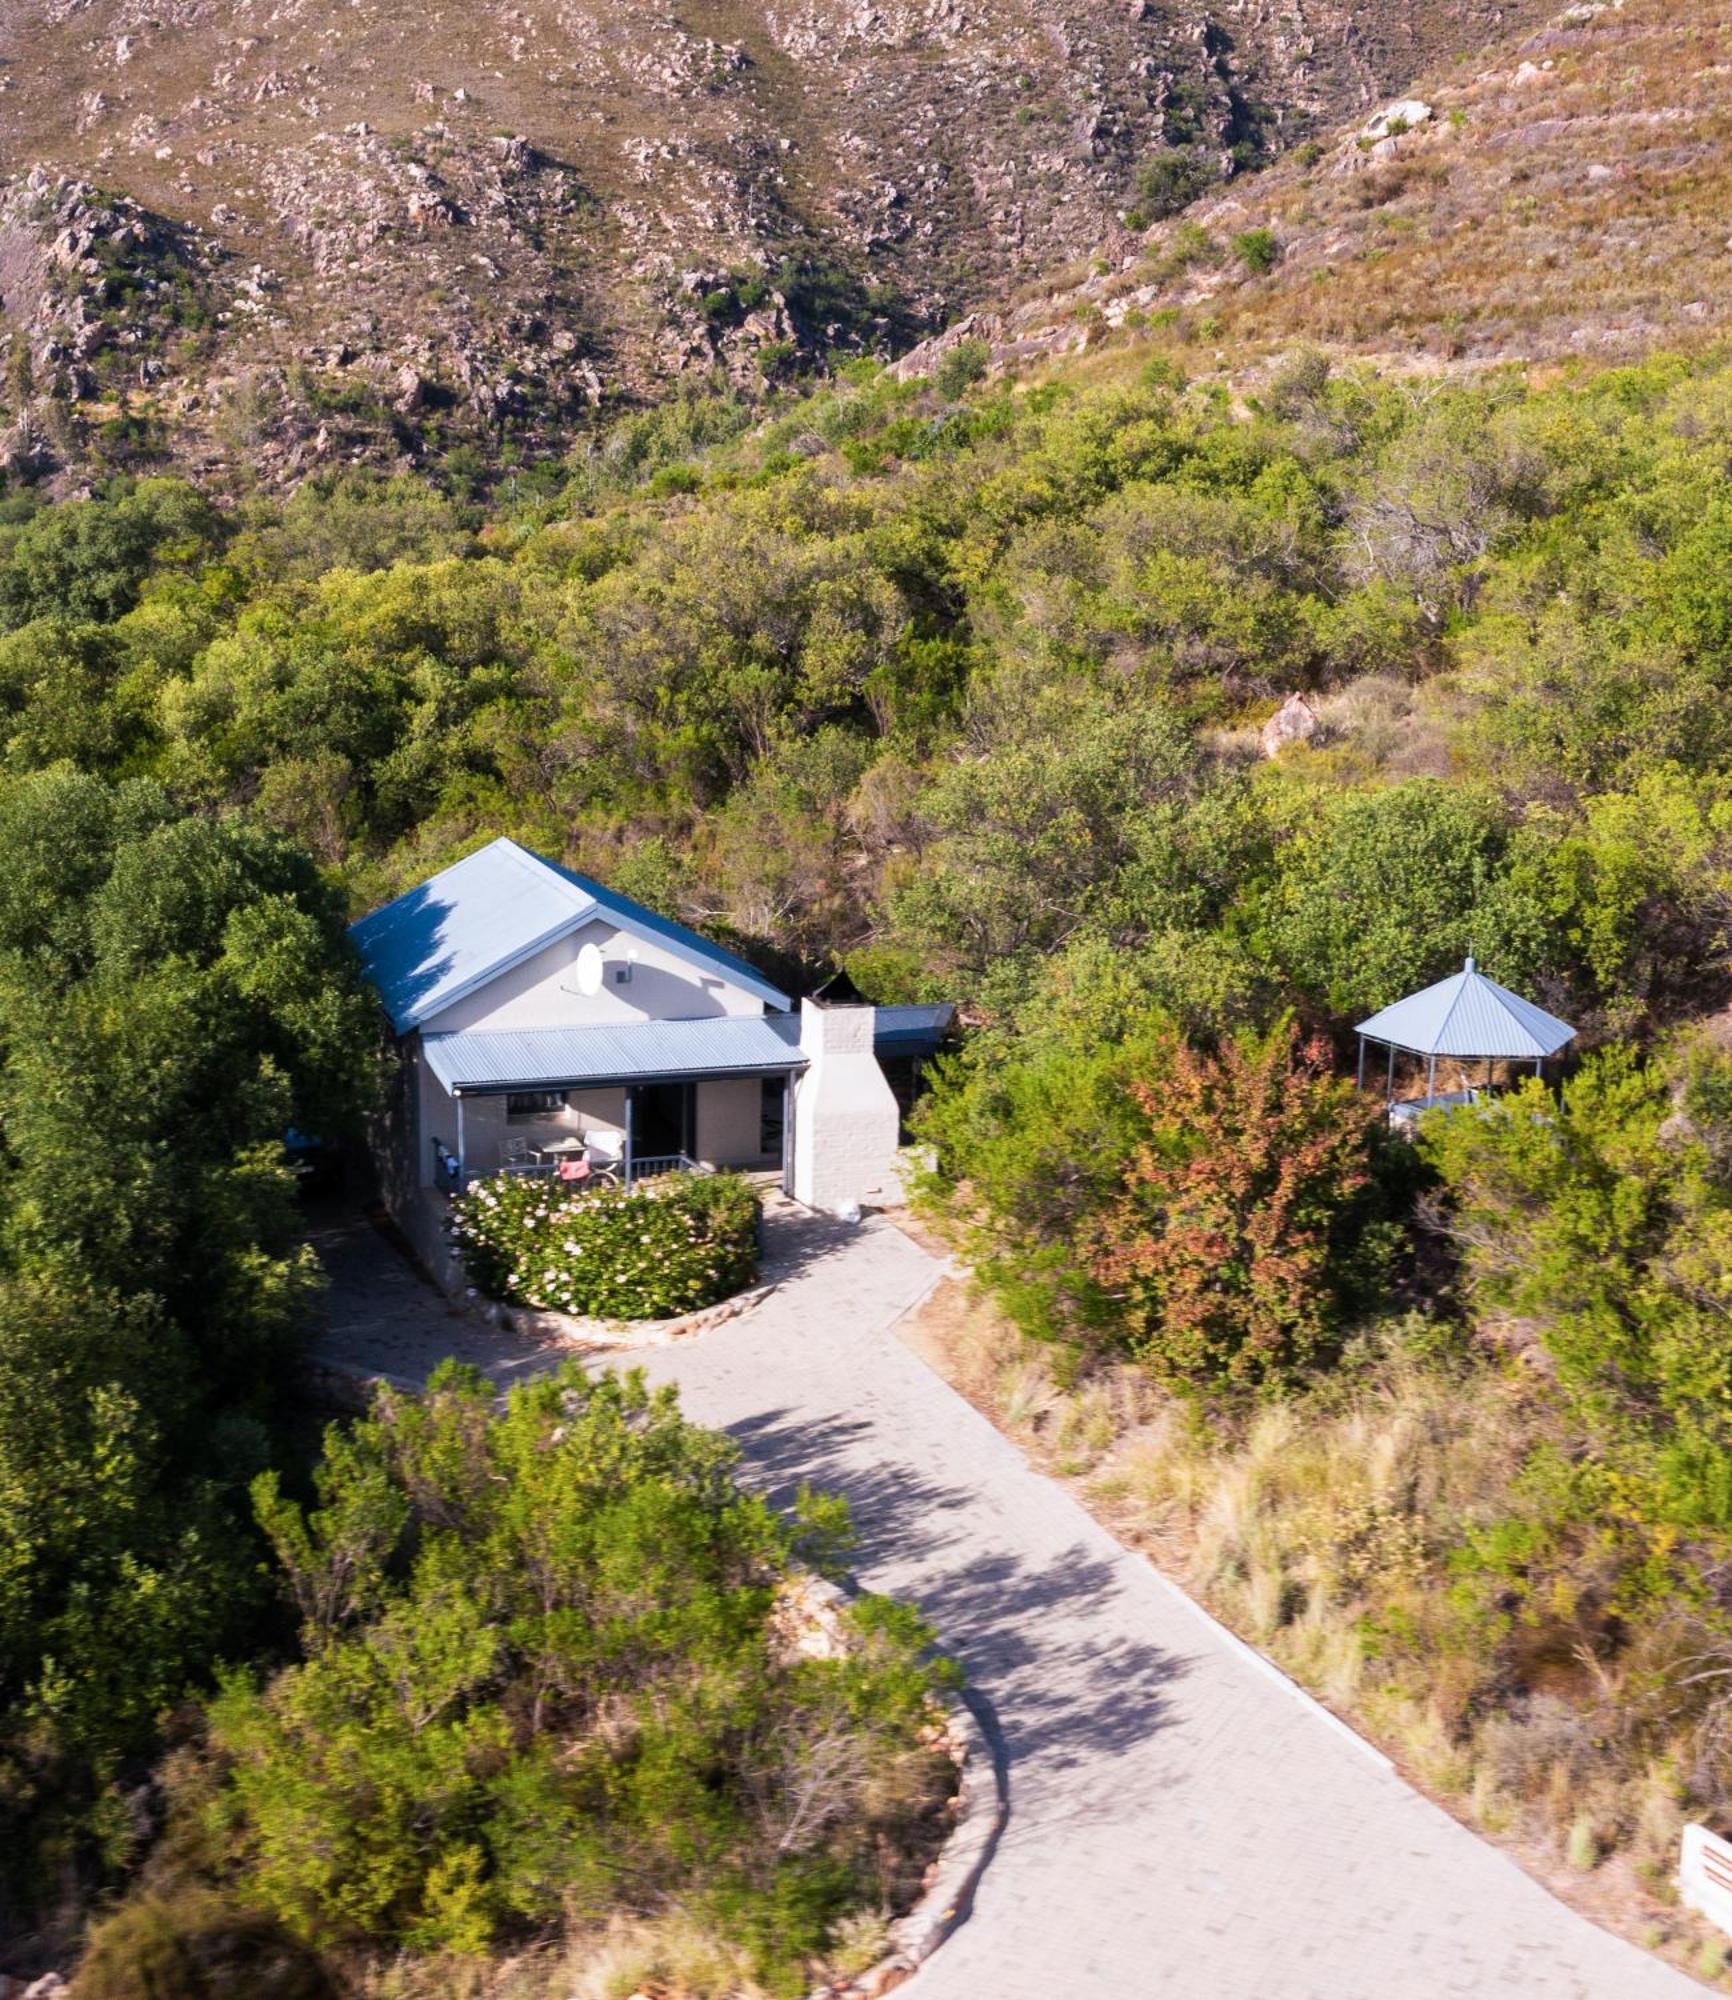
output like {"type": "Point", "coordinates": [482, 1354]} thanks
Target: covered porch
{"type": "Point", "coordinates": [612, 1106]}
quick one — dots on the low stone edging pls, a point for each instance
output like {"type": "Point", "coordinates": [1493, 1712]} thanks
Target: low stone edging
{"type": "Point", "coordinates": [982, 1808]}
{"type": "Point", "coordinates": [336, 1386]}
{"type": "Point", "coordinates": [571, 1331]}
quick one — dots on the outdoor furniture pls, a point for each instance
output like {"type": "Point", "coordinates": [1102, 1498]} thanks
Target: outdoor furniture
{"type": "Point", "coordinates": [606, 1155]}
{"type": "Point", "coordinates": [577, 1158]}
{"type": "Point", "coordinates": [515, 1152]}
{"type": "Point", "coordinates": [1405, 1114]}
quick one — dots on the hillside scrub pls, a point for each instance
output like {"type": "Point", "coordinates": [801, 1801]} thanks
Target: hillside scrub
{"type": "Point", "coordinates": [553, 1671]}
{"type": "Point", "coordinates": [834, 696]}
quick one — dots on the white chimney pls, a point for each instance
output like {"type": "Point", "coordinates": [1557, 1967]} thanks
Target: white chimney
{"type": "Point", "coordinates": [846, 1120]}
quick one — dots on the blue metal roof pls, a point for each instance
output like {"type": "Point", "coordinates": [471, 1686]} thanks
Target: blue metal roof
{"type": "Point", "coordinates": [484, 1060]}
{"type": "Point", "coordinates": [437, 944]}
{"type": "Point", "coordinates": [912, 1031]}
{"type": "Point", "coordinates": [1469, 1015]}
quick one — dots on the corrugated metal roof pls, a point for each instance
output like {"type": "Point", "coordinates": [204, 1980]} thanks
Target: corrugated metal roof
{"type": "Point", "coordinates": [912, 1030]}
{"type": "Point", "coordinates": [1469, 1015]}
{"type": "Point", "coordinates": [548, 1058]}
{"type": "Point", "coordinates": [440, 942]}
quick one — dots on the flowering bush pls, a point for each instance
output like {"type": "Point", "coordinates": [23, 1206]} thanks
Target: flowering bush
{"type": "Point", "coordinates": [665, 1246]}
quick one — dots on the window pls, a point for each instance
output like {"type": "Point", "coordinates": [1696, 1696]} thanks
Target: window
{"type": "Point", "coordinates": [534, 1103]}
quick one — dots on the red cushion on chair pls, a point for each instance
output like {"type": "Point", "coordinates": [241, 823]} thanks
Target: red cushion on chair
{"type": "Point", "coordinates": [574, 1170]}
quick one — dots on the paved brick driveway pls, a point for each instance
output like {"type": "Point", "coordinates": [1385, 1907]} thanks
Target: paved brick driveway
{"type": "Point", "coordinates": [1180, 1823]}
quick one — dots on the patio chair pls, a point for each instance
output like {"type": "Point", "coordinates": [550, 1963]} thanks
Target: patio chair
{"type": "Point", "coordinates": [606, 1156]}
{"type": "Point", "coordinates": [516, 1153]}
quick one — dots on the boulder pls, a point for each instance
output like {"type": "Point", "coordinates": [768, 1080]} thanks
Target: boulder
{"type": "Point", "coordinates": [1397, 118]}
{"type": "Point", "coordinates": [1295, 721]}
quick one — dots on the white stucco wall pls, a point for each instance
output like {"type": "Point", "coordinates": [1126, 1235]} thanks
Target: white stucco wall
{"type": "Point", "coordinates": [542, 992]}
{"type": "Point", "coordinates": [846, 1120]}
{"type": "Point", "coordinates": [728, 1121]}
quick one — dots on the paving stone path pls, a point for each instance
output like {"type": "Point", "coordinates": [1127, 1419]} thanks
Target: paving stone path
{"type": "Point", "coordinates": [1181, 1822]}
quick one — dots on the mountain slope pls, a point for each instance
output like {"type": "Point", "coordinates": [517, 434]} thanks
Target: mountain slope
{"type": "Point", "coordinates": [1569, 194]}
{"type": "Point", "coordinates": [494, 216]}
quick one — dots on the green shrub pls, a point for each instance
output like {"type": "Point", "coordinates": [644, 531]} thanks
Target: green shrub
{"type": "Point", "coordinates": [663, 1247]}
{"type": "Point", "coordinates": [966, 363]}
{"type": "Point", "coordinates": [193, 1944]}
{"type": "Point", "coordinates": [1257, 250]}
{"type": "Point", "coordinates": [550, 1670]}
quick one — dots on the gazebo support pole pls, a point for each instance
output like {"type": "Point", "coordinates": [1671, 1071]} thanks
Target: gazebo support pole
{"type": "Point", "coordinates": [1389, 1081]}
{"type": "Point", "coordinates": [1361, 1062]}
{"type": "Point", "coordinates": [1431, 1079]}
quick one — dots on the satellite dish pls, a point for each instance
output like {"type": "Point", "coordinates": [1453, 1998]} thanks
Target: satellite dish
{"type": "Point", "coordinates": [589, 970]}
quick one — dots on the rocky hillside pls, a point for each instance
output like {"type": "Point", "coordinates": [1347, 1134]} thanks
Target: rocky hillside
{"type": "Point", "coordinates": [279, 233]}
{"type": "Point", "coordinates": [1569, 193]}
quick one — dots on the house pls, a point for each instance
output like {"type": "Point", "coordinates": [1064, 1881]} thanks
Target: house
{"type": "Point", "coordinates": [549, 1025]}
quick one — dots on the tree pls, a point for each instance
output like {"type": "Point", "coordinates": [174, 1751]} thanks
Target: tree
{"type": "Point", "coordinates": [88, 559]}
{"type": "Point", "coordinates": [1222, 1250]}
{"type": "Point", "coordinates": [174, 994]}
{"type": "Point", "coordinates": [543, 1676]}
{"type": "Point", "coordinates": [1595, 1225]}
{"type": "Point", "coordinates": [1380, 892]}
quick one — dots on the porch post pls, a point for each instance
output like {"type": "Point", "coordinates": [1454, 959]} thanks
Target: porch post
{"type": "Point", "coordinates": [1389, 1080]}
{"type": "Point", "coordinates": [1431, 1080]}
{"type": "Point", "coordinates": [1361, 1062]}
{"type": "Point", "coordinates": [462, 1161]}
{"type": "Point", "coordinates": [788, 1133]}
{"type": "Point", "coordinates": [630, 1105]}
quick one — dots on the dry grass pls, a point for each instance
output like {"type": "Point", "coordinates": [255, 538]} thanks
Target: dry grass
{"type": "Point", "coordinates": [671, 1958]}
{"type": "Point", "coordinates": [1570, 199]}
{"type": "Point", "coordinates": [1321, 1533]}
{"type": "Point", "coordinates": [666, 1958]}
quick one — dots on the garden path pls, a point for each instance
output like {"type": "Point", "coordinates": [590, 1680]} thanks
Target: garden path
{"type": "Point", "coordinates": [1182, 1822]}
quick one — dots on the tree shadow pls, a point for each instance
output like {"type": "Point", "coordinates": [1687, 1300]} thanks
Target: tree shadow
{"type": "Point", "coordinates": [1066, 1689]}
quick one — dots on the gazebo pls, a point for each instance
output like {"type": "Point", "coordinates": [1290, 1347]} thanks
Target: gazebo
{"type": "Point", "coordinates": [1466, 1017]}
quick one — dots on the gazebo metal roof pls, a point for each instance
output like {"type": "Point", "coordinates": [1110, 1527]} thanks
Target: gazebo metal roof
{"type": "Point", "coordinates": [1469, 1015]}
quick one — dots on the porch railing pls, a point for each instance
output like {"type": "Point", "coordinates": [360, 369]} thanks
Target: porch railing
{"type": "Point", "coordinates": [660, 1163]}
{"type": "Point", "coordinates": [624, 1172]}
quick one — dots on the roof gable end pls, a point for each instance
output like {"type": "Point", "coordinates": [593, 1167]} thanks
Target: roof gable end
{"type": "Point", "coordinates": [485, 915]}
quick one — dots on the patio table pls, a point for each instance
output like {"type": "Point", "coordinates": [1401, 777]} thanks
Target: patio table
{"type": "Point", "coordinates": [564, 1149]}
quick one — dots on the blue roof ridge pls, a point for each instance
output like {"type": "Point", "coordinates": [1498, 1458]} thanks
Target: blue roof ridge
{"type": "Point", "coordinates": [579, 901]}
